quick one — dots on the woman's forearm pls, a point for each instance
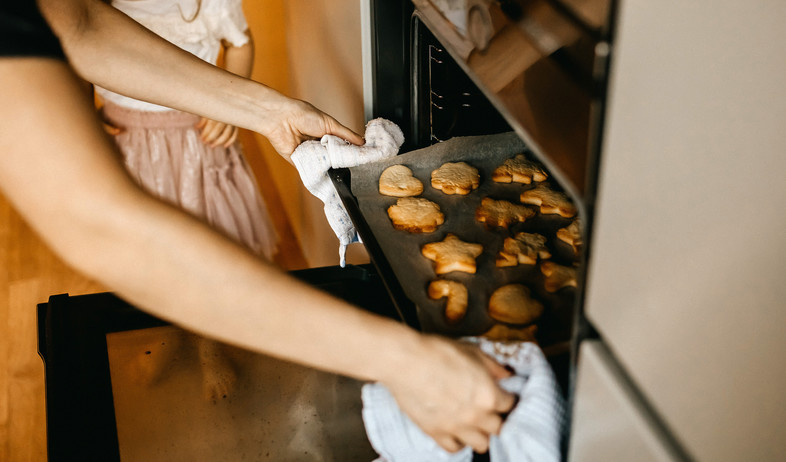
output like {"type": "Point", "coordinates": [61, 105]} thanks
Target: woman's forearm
{"type": "Point", "coordinates": [156, 256]}
{"type": "Point", "coordinates": [109, 49]}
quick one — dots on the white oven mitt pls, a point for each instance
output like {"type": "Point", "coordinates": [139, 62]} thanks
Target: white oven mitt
{"type": "Point", "coordinates": [314, 158]}
{"type": "Point", "coordinates": [532, 432]}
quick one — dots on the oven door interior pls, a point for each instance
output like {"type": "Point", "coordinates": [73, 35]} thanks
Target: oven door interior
{"type": "Point", "coordinates": [124, 386]}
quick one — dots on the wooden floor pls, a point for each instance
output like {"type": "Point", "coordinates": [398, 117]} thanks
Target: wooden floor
{"type": "Point", "coordinates": [29, 274]}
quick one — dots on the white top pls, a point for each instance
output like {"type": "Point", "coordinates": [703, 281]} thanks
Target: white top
{"type": "Point", "coordinates": [215, 20]}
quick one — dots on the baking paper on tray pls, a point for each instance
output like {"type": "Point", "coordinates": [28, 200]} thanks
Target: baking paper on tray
{"type": "Point", "coordinates": [402, 249]}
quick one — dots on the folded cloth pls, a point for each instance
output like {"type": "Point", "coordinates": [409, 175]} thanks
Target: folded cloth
{"type": "Point", "coordinates": [531, 432]}
{"type": "Point", "coordinates": [314, 158]}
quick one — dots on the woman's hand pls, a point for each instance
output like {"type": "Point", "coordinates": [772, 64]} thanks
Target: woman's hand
{"type": "Point", "coordinates": [297, 121]}
{"type": "Point", "coordinates": [451, 393]}
{"type": "Point", "coordinates": [216, 133]}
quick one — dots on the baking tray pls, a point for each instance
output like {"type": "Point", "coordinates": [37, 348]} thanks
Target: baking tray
{"type": "Point", "coordinates": [406, 273]}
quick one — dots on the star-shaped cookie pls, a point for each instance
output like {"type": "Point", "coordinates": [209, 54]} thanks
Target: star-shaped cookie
{"type": "Point", "coordinates": [452, 254]}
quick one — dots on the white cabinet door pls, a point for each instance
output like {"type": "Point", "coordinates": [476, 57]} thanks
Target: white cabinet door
{"type": "Point", "coordinates": [687, 278]}
{"type": "Point", "coordinates": [608, 422]}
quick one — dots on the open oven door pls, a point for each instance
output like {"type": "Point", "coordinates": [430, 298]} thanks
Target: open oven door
{"type": "Point", "coordinates": [123, 385]}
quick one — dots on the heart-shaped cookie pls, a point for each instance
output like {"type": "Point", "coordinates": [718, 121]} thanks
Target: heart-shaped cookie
{"type": "Point", "coordinates": [398, 181]}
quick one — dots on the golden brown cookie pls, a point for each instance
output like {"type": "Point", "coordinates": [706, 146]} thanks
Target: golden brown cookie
{"type": "Point", "coordinates": [524, 248]}
{"type": "Point", "coordinates": [398, 181]}
{"type": "Point", "coordinates": [550, 201]}
{"type": "Point", "coordinates": [519, 169]}
{"type": "Point", "coordinates": [416, 215]}
{"type": "Point", "coordinates": [456, 293]}
{"type": "Point", "coordinates": [513, 304]}
{"type": "Point", "coordinates": [503, 333]}
{"type": "Point", "coordinates": [571, 235]}
{"type": "Point", "coordinates": [558, 276]}
{"type": "Point", "coordinates": [455, 178]}
{"type": "Point", "coordinates": [452, 254]}
{"type": "Point", "coordinates": [501, 214]}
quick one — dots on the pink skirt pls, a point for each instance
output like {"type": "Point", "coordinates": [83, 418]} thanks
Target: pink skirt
{"type": "Point", "coordinates": [163, 153]}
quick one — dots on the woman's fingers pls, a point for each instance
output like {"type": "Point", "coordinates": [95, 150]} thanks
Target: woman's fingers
{"type": "Point", "coordinates": [497, 370]}
{"type": "Point", "coordinates": [490, 424]}
{"type": "Point", "coordinates": [335, 128]}
{"type": "Point", "coordinates": [111, 129]}
{"type": "Point", "coordinates": [478, 441]}
{"type": "Point", "coordinates": [448, 443]}
{"type": "Point", "coordinates": [232, 138]}
{"type": "Point", "coordinates": [215, 133]}
{"type": "Point", "coordinates": [504, 401]}
{"type": "Point", "coordinates": [223, 137]}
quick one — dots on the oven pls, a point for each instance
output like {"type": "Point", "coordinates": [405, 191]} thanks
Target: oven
{"type": "Point", "coordinates": [661, 121]}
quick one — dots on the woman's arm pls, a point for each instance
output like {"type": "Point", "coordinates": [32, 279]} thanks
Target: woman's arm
{"type": "Point", "coordinates": [109, 49]}
{"type": "Point", "coordinates": [61, 172]}
{"type": "Point", "coordinates": [238, 60]}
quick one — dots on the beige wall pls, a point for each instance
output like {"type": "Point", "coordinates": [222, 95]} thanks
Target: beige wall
{"type": "Point", "coordinates": [309, 50]}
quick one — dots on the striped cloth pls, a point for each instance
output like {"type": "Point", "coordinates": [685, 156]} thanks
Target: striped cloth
{"type": "Point", "coordinates": [314, 158]}
{"type": "Point", "coordinates": [532, 431]}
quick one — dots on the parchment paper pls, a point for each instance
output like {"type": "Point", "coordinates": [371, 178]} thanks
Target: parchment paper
{"type": "Point", "coordinates": [414, 272]}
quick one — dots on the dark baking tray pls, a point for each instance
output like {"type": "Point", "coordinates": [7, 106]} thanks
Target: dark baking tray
{"type": "Point", "coordinates": [406, 273]}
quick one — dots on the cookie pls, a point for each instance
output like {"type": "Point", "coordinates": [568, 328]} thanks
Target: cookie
{"type": "Point", "coordinates": [571, 235]}
{"type": "Point", "coordinates": [513, 304]}
{"type": "Point", "coordinates": [550, 201]}
{"type": "Point", "coordinates": [519, 169]}
{"type": "Point", "coordinates": [452, 254]}
{"type": "Point", "coordinates": [524, 248]}
{"type": "Point", "coordinates": [455, 178]}
{"type": "Point", "coordinates": [456, 293]}
{"type": "Point", "coordinates": [501, 214]}
{"type": "Point", "coordinates": [558, 276]}
{"type": "Point", "coordinates": [398, 181]}
{"type": "Point", "coordinates": [415, 215]}
{"type": "Point", "coordinates": [503, 333]}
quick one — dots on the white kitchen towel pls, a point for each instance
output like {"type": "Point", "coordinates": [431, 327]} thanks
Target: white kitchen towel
{"type": "Point", "coordinates": [531, 432]}
{"type": "Point", "coordinates": [314, 158]}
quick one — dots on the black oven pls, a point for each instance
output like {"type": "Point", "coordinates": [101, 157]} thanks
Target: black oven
{"type": "Point", "coordinates": [443, 69]}
{"type": "Point", "coordinates": [628, 104]}
{"type": "Point", "coordinates": [539, 68]}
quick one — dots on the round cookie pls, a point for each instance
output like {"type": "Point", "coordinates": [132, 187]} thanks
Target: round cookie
{"type": "Point", "coordinates": [513, 304]}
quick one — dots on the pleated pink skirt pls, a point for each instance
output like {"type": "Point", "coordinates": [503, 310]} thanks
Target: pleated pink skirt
{"type": "Point", "coordinates": [163, 153]}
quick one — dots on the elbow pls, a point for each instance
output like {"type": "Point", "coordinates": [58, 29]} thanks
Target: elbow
{"type": "Point", "coordinates": [95, 233]}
